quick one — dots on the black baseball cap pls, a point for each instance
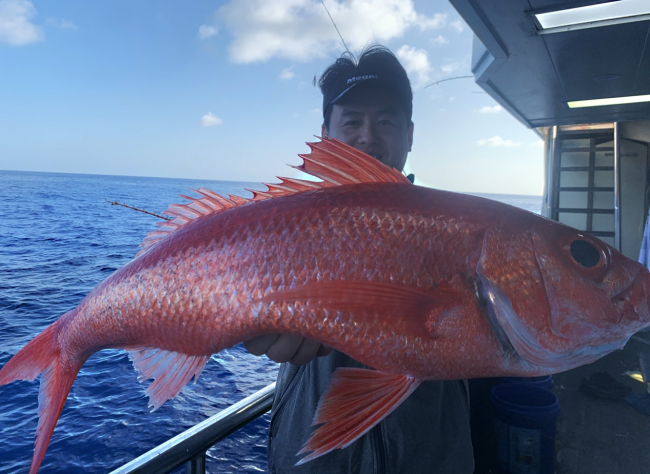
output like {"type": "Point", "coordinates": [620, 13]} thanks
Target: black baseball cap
{"type": "Point", "coordinates": [377, 66]}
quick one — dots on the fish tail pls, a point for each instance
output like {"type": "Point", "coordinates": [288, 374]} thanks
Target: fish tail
{"type": "Point", "coordinates": [42, 356]}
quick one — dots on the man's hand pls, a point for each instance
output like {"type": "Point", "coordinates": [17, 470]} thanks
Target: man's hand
{"type": "Point", "coordinates": [287, 348]}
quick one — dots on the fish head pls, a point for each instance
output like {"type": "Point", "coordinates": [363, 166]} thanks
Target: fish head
{"type": "Point", "coordinates": [559, 297]}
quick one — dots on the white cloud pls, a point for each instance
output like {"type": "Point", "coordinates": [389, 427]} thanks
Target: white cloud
{"type": "Point", "coordinates": [416, 63]}
{"type": "Point", "coordinates": [301, 30]}
{"type": "Point", "coordinates": [452, 67]}
{"type": "Point", "coordinates": [457, 25]}
{"type": "Point", "coordinates": [490, 110]}
{"type": "Point", "coordinates": [536, 144]}
{"type": "Point", "coordinates": [436, 21]}
{"type": "Point", "coordinates": [209, 120]}
{"type": "Point", "coordinates": [440, 40]}
{"type": "Point", "coordinates": [207, 31]}
{"type": "Point", "coordinates": [15, 26]}
{"type": "Point", "coordinates": [286, 74]}
{"type": "Point", "coordinates": [62, 23]}
{"type": "Point", "coordinates": [497, 141]}
{"type": "Point", "coordinates": [317, 111]}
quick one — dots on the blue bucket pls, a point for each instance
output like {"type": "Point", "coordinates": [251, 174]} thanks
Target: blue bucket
{"type": "Point", "coordinates": [545, 382]}
{"type": "Point", "coordinates": [524, 421]}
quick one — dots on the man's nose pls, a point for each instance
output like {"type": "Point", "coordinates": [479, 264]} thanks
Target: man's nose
{"type": "Point", "coordinates": [366, 134]}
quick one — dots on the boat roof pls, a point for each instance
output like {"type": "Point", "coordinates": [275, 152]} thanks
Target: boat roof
{"type": "Point", "coordinates": [534, 72]}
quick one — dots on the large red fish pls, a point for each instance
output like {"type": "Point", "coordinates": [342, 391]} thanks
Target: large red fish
{"type": "Point", "coordinates": [417, 283]}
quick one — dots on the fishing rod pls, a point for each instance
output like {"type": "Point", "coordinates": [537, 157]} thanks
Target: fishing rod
{"type": "Point", "coordinates": [115, 203]}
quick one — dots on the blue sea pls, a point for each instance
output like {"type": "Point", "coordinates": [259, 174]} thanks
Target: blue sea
{"type": "Point", "coordinates": [59, 237]}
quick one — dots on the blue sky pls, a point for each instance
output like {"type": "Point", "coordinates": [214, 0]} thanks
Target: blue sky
{"type": "Point", "coordinates": [223, 90]}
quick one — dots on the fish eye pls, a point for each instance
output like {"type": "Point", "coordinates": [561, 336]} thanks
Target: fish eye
{"type": "Point", "coordinates": [584, 253]}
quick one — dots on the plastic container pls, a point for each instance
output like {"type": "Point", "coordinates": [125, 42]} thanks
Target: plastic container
{"type": "Point", "coordinates": [524, 419]}
{"type": "Point", "coordinates": [545, 381]}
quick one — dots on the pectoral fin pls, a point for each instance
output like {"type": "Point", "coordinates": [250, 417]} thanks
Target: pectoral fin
{"type": "Point", "coordinates": [356, 401]}
{"type": "Point", "coordinates": [413, 311]}
{"type": "Point", "coordinates": [351, 295]}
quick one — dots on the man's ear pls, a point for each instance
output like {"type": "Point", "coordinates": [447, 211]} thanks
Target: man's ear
{"type": "Point", "coordinates": [323, 131]}
{"type": "Point", "coordinates": [410, 135]}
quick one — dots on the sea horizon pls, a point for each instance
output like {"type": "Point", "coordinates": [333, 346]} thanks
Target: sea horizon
{"type": "Point", "coordinates": [473, 193]}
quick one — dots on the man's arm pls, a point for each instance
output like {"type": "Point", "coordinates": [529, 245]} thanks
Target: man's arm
{"type": "Point", "coordinates": [287, 348]}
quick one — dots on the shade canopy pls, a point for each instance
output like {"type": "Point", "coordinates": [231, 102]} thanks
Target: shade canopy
{"type": "Point", "coordinates": [534, 73]}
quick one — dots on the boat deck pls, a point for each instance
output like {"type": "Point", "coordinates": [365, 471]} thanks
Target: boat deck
{"type": "Point", "coordinates": [593, 436]}
{"type": "Point", "coordinates": [599, 436]}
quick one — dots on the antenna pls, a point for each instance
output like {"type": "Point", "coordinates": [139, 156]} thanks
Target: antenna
{"type": "Point", "coordinates": [336, 27]}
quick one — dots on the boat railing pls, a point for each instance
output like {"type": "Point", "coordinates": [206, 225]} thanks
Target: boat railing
{"type": "Point", "coordinates": [190, 446]}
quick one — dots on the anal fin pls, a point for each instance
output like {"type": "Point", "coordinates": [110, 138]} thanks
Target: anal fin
{"type": "Point", "coordinates": [356, 401]}
{"type": "Point", "coordinates": [170, 370]}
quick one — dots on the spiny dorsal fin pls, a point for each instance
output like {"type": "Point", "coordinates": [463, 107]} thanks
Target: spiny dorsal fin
{"type": "Point", "coordinates": [336, 163]}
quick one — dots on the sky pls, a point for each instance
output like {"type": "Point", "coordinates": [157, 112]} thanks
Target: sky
{"type": "Point", "coordinates": [224, 90]}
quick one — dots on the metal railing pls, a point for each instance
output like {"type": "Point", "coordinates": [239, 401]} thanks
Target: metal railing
{"type": "Point", "coordinates": [190, 446]}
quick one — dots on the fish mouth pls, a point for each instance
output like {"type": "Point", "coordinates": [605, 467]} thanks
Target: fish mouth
{"type": "Point", "coordinates": [632, 302]}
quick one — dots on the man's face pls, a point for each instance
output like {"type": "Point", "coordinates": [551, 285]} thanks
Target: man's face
{"type": "Point", "coordinates": [372, 121]}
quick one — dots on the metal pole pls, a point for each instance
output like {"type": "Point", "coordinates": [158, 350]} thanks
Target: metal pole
{"type": "Point", "coordinates": [617, 188]}
{"type": "Point", "coordinates": [550, 188]}
{"type": "Point", "coordinates": [196, 465]}
{"type": "Point", "coordinates": [193, 443]}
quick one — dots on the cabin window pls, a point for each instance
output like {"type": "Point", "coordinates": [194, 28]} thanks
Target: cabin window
{"type": "Point", "coordinates": [604, 158]}
{"type": "Point", "coordinates": [575, 158]}
{"type": "Point", "coordinates": [578, 221]}
{"type": "Point", "coordinates": [576, 179]}
{"type": "Point", "coordinates": [603, 200]}
{"type": "Point", "coordinates": [574, 199]}
{"type": "Point", "coordinates": [603, 179]}
{"type": "Point", "coordinates": [602, 222]}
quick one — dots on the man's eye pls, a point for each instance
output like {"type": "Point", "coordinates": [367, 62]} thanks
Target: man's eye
{"type": "Point", "coordinates": [386, 123]}
{"type": "Point", "coordinates": [351, 123]}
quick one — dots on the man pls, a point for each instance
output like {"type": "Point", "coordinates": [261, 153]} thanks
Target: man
{"type": "Point", "coordinates": [368, 105]}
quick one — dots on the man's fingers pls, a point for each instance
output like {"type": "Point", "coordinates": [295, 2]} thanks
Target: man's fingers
{"type": "Point", "coordinates": [306, 352]}
{"type": "Point", "coordinates": [284, 348]}
{"type": "Point", "coordinates": [287, 348]}
{"type": "Point", "coordinates": [324, 350]}
{"type": "Point", "coordinates": [260, 344]}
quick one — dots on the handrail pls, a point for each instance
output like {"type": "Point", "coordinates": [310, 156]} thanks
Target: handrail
{"type": "Point", "coordinates": [191, 445]}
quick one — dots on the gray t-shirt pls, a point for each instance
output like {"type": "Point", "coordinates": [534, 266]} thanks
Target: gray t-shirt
{"type": "Point", "coordinates": [427, 433]}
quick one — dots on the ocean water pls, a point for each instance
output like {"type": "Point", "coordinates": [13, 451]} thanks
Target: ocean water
{"type": "Point", "coordinates": [58, 239]}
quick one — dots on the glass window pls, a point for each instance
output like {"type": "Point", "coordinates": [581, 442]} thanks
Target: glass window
{"type": "Point", "coordinates": [576, 143]}
{"type": "Point", "coordinates": [575, 158]}
{"type": "Point", "coordinates": [604, 158]}
{"type": "Point", "coordinates": [604, 179]}
{"type": "Point", "coordinates": [576, 220]}
{"type": "Point", "coordinates": [603, 200]}
{"type": "Point", "coordinates": [574, 199]}
{"type": "Point", "coordinates": [602, 222]}
{"type": "Point", "coordinates": [574, 179]}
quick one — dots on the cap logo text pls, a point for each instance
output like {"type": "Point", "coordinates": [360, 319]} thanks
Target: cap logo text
{"type": "Point", "coordinates": [362, 78]}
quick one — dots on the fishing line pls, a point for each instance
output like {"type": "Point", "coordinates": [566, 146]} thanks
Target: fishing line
{"type": "Point", "coordinates": [336, 27]}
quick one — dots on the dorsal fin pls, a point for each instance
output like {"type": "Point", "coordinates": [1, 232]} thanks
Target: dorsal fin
{"type": "Point", "coordinates": [336, 163]}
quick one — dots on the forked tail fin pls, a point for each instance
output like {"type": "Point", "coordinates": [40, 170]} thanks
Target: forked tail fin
{"type": "Point", "coordinates": [42, 356]}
